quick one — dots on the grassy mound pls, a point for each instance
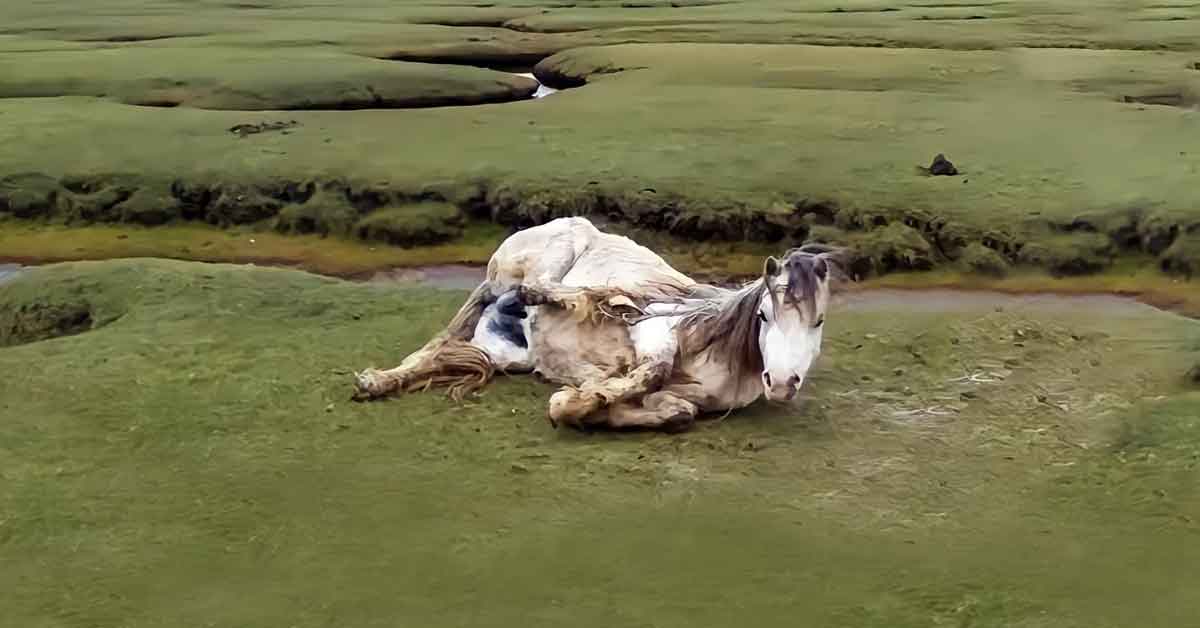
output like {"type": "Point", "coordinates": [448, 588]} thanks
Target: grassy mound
{"type": "Point", "coordinates": [196, 460]}
{"type": "Point", "coordinates": [427, 223]}
{"type": "Point", "coordinates": [240, 79]}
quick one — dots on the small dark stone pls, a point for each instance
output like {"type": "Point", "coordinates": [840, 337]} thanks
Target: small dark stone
{"type": "Point", "coordinates": [1194, 375]}
{"type": "Point", "coordinates": [942, 167]}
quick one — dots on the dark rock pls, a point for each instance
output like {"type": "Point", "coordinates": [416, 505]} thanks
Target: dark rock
{"type": "Point", "coordinates": [942, 167]}
{"type": "Point", "coordinates": [1193, 375]}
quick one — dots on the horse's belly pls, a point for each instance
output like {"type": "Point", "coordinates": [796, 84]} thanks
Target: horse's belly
{"type": "Point", "coordinates": [566, 351]}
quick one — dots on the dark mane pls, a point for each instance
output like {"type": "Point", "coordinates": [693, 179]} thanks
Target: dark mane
{"type": "Point", "coordinates": [804, 276]}
{"type": "Point", "coordinates": [726, 324]}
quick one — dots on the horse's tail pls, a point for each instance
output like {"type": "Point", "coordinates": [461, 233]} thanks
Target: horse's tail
{"type": "Point", "coordinates": [450, 360]}
{"type": "Point", "coordinates": [457, 365]}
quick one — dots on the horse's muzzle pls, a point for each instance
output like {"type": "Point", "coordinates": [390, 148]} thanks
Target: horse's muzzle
{"type": "Point", "coordinates": [783, 390]}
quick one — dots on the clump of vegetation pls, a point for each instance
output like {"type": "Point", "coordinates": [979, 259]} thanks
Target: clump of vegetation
{"type": "Point", "coordinates": [1081, 253]}
{"type": "Point", "coordinates": [412, 225]}
{"type": "Point", "coordinates": [31, 322]}
{"type": "Point", "coordinates": [149, 206]}
{"type": "Point", "coordinates": [28, 195]}
{"type": "Point", "coordinates": [1183, 257]}
{"type": "Point", "coordinates": [894, 247]}
{"type": "Point", "coordinates": [980, 259]}
{"type": "Point", "coordinates": [326, 213]}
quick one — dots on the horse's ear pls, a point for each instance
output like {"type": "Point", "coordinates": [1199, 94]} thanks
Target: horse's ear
{"type": "Point", "coordinates": [770, 267]}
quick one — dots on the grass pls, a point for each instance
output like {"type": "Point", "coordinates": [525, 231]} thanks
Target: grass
{"type": "Point", "coordinates": [35, 243]}
{"type": "Point", "coordinates": [255, 79]}
{"type": "Point", "coordinates": [193, 461]}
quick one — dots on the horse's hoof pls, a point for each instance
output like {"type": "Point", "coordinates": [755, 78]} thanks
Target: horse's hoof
{"type": "Point", "coordinates": [568, 408]}
{"type": "Point", "coordinates": [370, 384]}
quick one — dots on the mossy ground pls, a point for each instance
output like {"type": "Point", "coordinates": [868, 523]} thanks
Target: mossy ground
{"type": "Point", "coordinates": [195, 461]}
{"type": "Point", "coordinates": [709, 121]}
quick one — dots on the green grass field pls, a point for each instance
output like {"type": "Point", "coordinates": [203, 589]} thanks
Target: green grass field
{"type": "Point", "coordinates": [193, 460]}
{"type": "Point", "coordinates": [177, 447]}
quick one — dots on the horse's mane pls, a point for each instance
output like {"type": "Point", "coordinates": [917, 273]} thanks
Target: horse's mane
{"type": "Point", "coordinates": [724, 322]}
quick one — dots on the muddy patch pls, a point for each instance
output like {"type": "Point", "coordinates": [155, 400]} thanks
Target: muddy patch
{"type": "Point", "coordinates": [242, 130]}
{"type": "Point", "coordinates": [1171, 98]}
{"type": "Point", "coordinates": [465, 277]}
{"type": "Point", "coordinates": [948, 300]}
{"type": "Point", "coordinates": [9, 272]}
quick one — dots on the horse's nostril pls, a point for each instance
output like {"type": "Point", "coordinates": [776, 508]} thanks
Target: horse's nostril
{"type": "Point", "coordinates": [794, 381]}
{"type": "Point", "coordinates": [767, 379]}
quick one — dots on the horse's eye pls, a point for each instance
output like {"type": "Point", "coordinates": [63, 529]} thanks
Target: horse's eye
{"type": "Point", "coordinates": [820, 321]}
{"type": "Point", "coordinates": [761, 316]}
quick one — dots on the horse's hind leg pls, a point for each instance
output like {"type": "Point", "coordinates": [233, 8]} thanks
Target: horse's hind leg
{"type": "Point", "coordinates": [421, 367]}
{"type": "Point", "coordinates": [662, 410]}
{"type": "Point", "coordinates": [572, 406]}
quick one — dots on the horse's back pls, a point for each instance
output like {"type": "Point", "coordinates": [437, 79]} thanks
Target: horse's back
{"type": "Point", "coordinates": [547, 251]}
{"type": "Point", "coordinates": [574, 252]}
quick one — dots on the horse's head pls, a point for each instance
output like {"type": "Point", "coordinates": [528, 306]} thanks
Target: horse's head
{"type": "Point", "coordinates": [791, 317]}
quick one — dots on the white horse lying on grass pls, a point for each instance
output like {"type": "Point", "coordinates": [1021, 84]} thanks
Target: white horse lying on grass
{"type": "Point", "coordinates": [633, 342]}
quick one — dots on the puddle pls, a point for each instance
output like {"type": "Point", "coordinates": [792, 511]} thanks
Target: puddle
{"type": "Point", "coordinates": [542, 90]}
{"type": "Point", "coordinates": [463, 277]}
{"type": "Point", "coordinates": [8, 271]}
{"type": "Point", "coordinates": [443, 277]}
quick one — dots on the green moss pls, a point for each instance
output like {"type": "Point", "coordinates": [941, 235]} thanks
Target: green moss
{"type": "Point", "coordinates": [978, 258]}
{"type": "Point", "coordinates": [411, 225]}
{"type": "Point", "coordinates": [1070, 254]}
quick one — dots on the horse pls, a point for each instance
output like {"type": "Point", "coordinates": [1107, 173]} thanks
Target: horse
{"type": "Point", "coordinates": [632, 342]}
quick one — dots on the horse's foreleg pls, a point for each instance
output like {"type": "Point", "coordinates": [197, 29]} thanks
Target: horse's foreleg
{"type": "Point", "coordinates": [582, 302]}
{"type": "Point", "coordinates": [572, 406]}
{"type": "Point", "coordinates": [420, 368]}
{"type": "Point", "coordinates": [662, 410]}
